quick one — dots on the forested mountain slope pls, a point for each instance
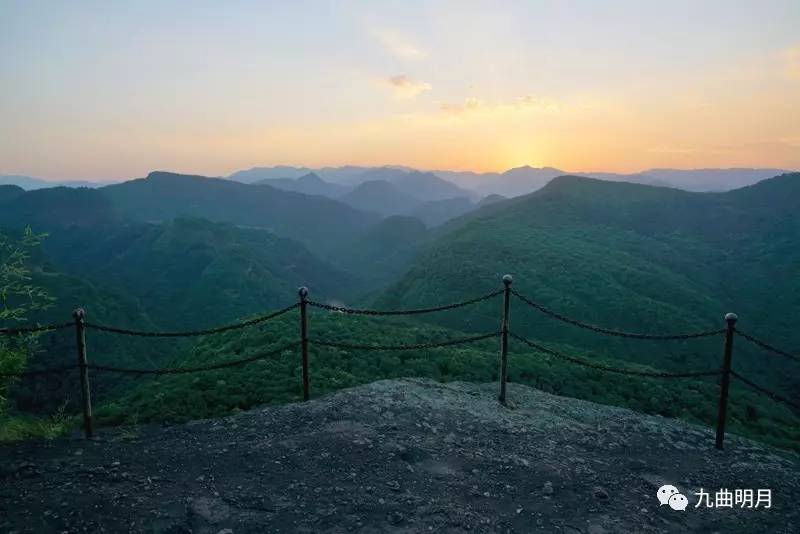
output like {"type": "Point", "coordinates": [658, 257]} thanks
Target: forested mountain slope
{"type": "Point", "coordinates": [193, 273]}
{"type": "Point", "coordinates": [624, 256]}
{"type": "Point", "coordinates": [45, 209]}
{"type": "Point", "coordinates": [309, 184]}
{"type": "Point", "coordinates": [318, 222]}
{"type": "Point", "coordinates": [186, 274]}
{"type": "Point", "coordinates": [276, 378]}
{"type": "Point", "coordinates": [384, 252]}
{"type": "Point", "coordinates": [630, 257]}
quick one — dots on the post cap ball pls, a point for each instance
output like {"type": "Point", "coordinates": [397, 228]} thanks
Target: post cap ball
{"type": "Point", "coordinates": [78, 313]}
{"type": "Point", "coordinates": [507, 279]}
{"type": "Point", "coordinates": [302, 291]}
{"type": "Point", "coordinates": [731, 317]}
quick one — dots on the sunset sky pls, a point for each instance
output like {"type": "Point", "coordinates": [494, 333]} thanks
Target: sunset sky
{"type": "Point", "coordinates": [109, 90]}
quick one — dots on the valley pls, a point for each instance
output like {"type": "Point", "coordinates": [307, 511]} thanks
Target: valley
{"type": "Point", "coordinates": [172, 252]}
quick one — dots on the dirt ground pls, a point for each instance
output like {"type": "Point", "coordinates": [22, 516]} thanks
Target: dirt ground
{"type": "Point", "coordinates": [398, 456]}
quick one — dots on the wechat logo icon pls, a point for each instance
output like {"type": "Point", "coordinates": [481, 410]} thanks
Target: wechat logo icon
{"type": "Point", "coordinates": [670, 496]}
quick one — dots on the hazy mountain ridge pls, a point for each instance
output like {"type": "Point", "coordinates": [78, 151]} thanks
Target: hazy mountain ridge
{"type": "Point", "coordinates": [513, 182]}
{"type": "Point", "coordinates": [318, 222]}
{"type": "Point", "coordinates": [340, 175]}
{"type": "Point", "coordinates": [630, 257]}
{"type": "Point", "coordinates": [57, 206]}
{"type": "Point", "coordinates": [697, 180]}
{"type": "Point", "coordinates": [623, 255]}
{"type": "Point", "coordinates": [380, 196]}
{"type": "Point", "coordinates": [526, 179]}
{"type": "Point", "coordinates": [309, 184]}
{"type": "Point", "coordinates": [491, 199]}
{"type": "Point", "coordinates": [388, 191]}
{"type": "Point", "coordinates": [192, 273]}
{"type": "Point", "coordinates": [385, 251]}
{"type": "Point", "coordinates": [30, 183]}
{"type": "Point", "coordinates": [437, 212]}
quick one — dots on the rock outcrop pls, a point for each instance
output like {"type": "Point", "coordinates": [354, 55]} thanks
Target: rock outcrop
{"type": "Point", "coordinates": [399, 456]}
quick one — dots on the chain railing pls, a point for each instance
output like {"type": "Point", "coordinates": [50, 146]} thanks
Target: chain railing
{"type": "Point", "coordinates": [33, 329]}
{"type": "Point", "coordinates": [617, 333]}
{"type": "Point", "coordinates": [767, 346]}
{"type": "Point", "coordinates": [197, 369]}
{"type": "Point", "coordinates": [416, 346]}
{"type": "Point", "coordinates": [724, 372]}
{"type": "Point", "coordinates": [418, 311]}
{"type": "Point", "coordinates": [193, 333]}
{"type": "Point", "coordinates": [600, 367]}
{"type": "Point", "coordinates": [765, 391]}
{"type": "Point", "coordinates": [38, 372]}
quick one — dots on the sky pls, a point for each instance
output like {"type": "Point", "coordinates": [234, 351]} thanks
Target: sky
{"type": "Point", "coordinates": [110, 90]}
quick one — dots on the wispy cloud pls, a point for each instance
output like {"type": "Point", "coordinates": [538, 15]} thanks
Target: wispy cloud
{"type": "Point", "coordinates": [406, 88]}
{"type": "Point", "coordinates": [398, 45]}
{"type": "Point", "coordinates": [524, 103]}
{"type": "Point", "coordinates": [470, 104]}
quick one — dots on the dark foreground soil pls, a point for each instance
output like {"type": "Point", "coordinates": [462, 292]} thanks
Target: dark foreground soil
{"type": "Point", "coordinates": [398, 456]}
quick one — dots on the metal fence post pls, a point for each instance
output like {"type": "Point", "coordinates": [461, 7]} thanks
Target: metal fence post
{"type": "Point", "coordinates": [303, 292]}
{"type": "Point", "coordinates": [80, 339]}
{"type": "Point", "coordinates": [725, 379]}
{"type": "Point", "coordinates": [507, 279]}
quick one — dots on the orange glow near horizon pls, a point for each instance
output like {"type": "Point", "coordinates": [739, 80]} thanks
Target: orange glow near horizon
{"type": "Point", "coordinates": [115, 93]}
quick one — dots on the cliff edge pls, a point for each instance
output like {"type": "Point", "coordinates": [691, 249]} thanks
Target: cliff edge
{"type": "Point", "coordinates": [399, 456]}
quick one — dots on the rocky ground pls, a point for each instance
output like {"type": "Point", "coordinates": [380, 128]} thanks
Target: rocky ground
{"type": "Point", "coordinates": [398, 456]}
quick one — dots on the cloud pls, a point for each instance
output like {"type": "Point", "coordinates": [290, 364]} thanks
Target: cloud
{"type": "Point", "coordinates": [524, 103]}
{"type": "Point", "coordinates": [470, 104]}
{"type": "Point", "coordinates": [406, 88]}
{"type": "Point", "coordinates": [398, 45]}
{"type": "Point", "coordinates": [538, 103]}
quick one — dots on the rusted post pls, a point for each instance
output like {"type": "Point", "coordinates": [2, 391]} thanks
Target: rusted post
{"type": "Point", "coordinates": [725, 379]}
{"type": "Point", "coordinates": [303, 292]}
{"type": "Point", "coordinates": [86, 397]}
{"type": "Point", "coordinates": [504, 337]}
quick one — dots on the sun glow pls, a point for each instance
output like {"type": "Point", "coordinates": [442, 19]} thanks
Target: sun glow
{"type": "Point", "coordinates": [452, 87]}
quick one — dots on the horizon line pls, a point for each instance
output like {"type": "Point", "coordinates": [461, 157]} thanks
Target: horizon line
{"type": "Point", "coordinates": [394, 166]}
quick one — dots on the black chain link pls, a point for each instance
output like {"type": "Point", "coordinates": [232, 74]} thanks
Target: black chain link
{"type": "Point", "coordinates": [767, 346]}
{"type": "Point", "coordinates": [418, 346]}
{"type": "Point", "coordinates": [33, 329]}
{"type": "Point", "coordinates": [354, 311]}
{"type": "Point", "coordinates": [184, 370]}
{"type": "Point", "coordinates": [654, 374]}
{"type": "Point", "coordinates": [765, 391]}
{"type": "Point", "coordinates": [195, 333]}
{"type": "Point", "coordinates": [601, 330]}
{"type": "Point", "coordinates": [40, 372]}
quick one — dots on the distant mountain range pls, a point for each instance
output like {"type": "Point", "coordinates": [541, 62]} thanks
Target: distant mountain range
{"type": "Point", "coordinates": [697, 180]}
{"type": "Point", "coordinates": [30, 183]}
{"type": "Point", "coordinates": [387, 191]}
{"type": "Point", "coordinates": [347, 174]}
{"type": "Point", "coordinates": [422, 185]}
{"type": "Point", "coordinates": [317, 222]}
{"type": "Point", "coordinates": [523, 180]}
{"type": "Point", "coordinates": [336, 182]}
{"type": "Point", "coordinates": [630, 256]}
{"type": "Point", "coordinates": [309, 184]}
{"type": "Point", "coordinates": [174, 251]}
{"type": "Point", "coordinates": [520, 180]}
